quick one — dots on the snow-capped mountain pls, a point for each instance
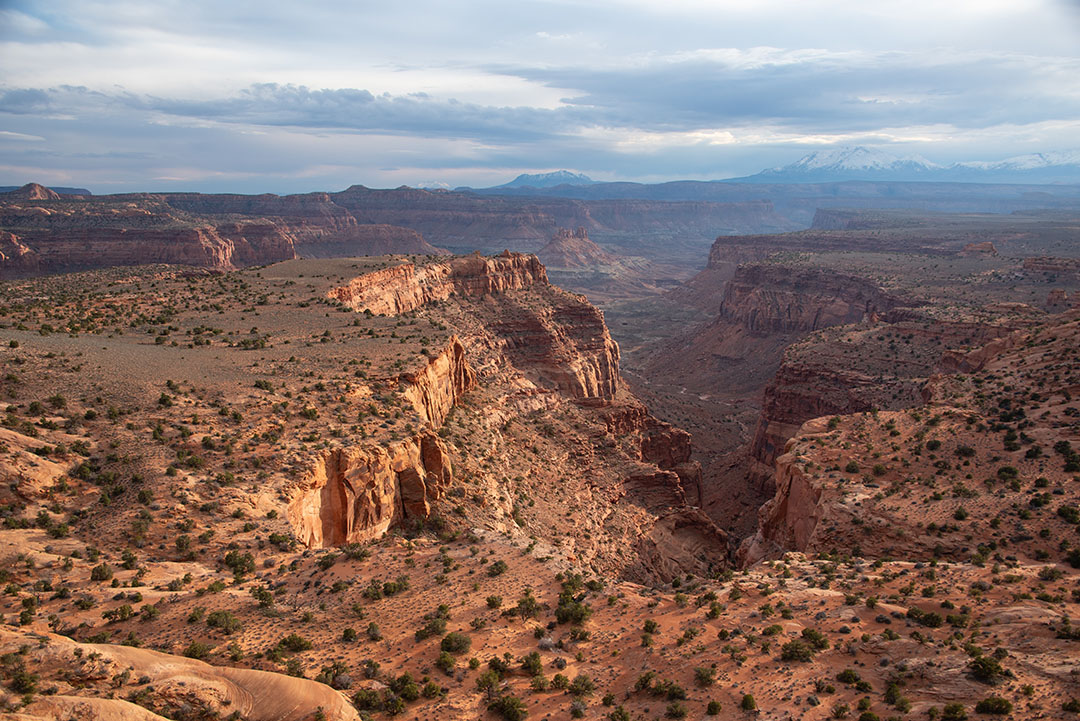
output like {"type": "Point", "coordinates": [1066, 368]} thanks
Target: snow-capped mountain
{"type": "Point", "coordinates": [1032, 161]}
{"type": "Point", "coordinates": [861, 163]}
{"type": "Point", "coordinates": [857, 163]}
{"type": "Point", "coordinates": [548, 180]}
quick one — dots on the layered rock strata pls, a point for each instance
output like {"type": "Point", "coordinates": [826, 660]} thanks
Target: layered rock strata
{"type": "Point", "coordinates": [402, 288]}
{"type": "Point", "coordinates": [351, 495]}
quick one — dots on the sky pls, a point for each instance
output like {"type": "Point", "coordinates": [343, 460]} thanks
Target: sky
{"type": "Point", "coordinates": [242, 96]}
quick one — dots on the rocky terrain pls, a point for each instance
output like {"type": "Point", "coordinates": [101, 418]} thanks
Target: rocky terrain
{"type": "Point", "coordinates": [838, 481]}
{"type": "Point", "coordinates": [574, 261]}
{"type": "Point", "coordinates": [45, 232]}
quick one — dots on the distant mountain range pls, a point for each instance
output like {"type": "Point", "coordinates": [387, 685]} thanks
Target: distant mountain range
{"type": "Point", "coordinates": [547, 180]}
{"type": "Point", "coordinates": [861, 163]}
{"type": "Point", "coordinates": [56, 188]}
{"type": "Point", "coordinates": [857, 163]}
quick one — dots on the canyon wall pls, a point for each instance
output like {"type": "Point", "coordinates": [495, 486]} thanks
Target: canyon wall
{"type": "Point", "coordinates": [564, 343]}
{"type": "Point", "coordinates": [221, 247]}
{"type": "Point", "coordinates": [788, 520]}
{"type": "Point", "coordinates": [435, 389]}
{"type": "Point", "coordinates": [766, 299]}
{"type": "Point", "coordinates": [76, 233]}
{"type": "Point", "coordinates": [405, 287]}
{"type": "Point", "coordinates": [351, 495]}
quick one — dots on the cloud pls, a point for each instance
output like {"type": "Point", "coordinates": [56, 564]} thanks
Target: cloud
{"type": "Point", "coordinates": [214, 94]}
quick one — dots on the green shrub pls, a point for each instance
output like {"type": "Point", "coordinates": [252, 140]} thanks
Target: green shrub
{"type": "Point", "coordinates": [994, 705]}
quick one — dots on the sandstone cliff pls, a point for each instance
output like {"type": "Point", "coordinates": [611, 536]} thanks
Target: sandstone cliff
{"type": "Point", "coordinates": [67, 233]}
{"type": "Point", "coordinates": [767, 299]}
{"type": "Point", "coordinates": [15, 257]}
{"type": "Point", "coordinates": [565, 344]}
{"type": "Point", "coordinates": [405, 287]}
{"type": "Point", "coordinates": [573, 249]}
{"type": "Point", "coordinates": [435, 389]}
{"type": "Point", "coordinates": [351, 495]}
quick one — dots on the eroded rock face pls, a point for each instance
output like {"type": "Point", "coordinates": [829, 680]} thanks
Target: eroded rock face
{"type": "Point", "coordinates": [351, 495]}
{"type": "Point", "coordinates": [845, 371]}
{"type": "Point", "coordinates": [15, 257]}
{"type": "Point", "coordinates": [788, 520]}
{"type": "Point", "coordinates": [768, 299]}
{"type": "Point", "coordinates": [60, 248]}
{"type": "Point", "coordinates": [67, 233]}
{"type": "Point", "coordinates": [176, 680]}
{"type": "Point", "coordinates": [573, 249]}
{"type": "Point", "coordinates": [435, 389]}
{"type": "Point", "coordinates": [798, 393]}
{"type": "Point", "coordinates": [564, 343]}
{"type": "Point", "coordinates": [405, 287]}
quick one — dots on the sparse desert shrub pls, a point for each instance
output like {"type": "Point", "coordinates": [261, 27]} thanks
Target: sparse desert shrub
{"type": "Point", "coordinates": [197, 650]}
{"type": "Point", "coordinates": [510, 708]}
{"type": "Point", "coordinates": [455, 642]}
{"type": "Point", "coordinates": [225, 621]}
{"type": "Point", "coordinates": [796, 650]}
{"type": "Point", "coordinates": [994, 705]}
{"type": "Point", "coordinates": [986, 669]}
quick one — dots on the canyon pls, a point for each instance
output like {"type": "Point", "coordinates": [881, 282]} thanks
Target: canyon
{"type": "Point", "coordinates": [75, 232]}
{"type": "Point", "coordinates": [244, 474]}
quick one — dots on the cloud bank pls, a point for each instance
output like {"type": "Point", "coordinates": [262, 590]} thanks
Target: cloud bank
{"type": "Point", "coordinates": [120, 96]}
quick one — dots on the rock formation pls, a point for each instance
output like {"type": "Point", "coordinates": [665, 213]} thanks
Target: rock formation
{"type": "Point", "coordinates": [356, 494]}
{"type": "Point", "coordinates": [984, 247]}
{"type": "Point", "coordinates": [184, 682]}
{"type": "Point", "coordinates": [435, 389]}
{"type": "Point", "coordinates": [30, 191]}
{"type": "Point", "coordinates": [573, 249]}
{"type": "Point", "coordinates": [402, 288]}
{"type": "Point", "coordinates": [767, 299]}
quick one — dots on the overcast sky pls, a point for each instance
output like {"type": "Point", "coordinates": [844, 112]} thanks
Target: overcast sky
{"type": "Point", "coordinates": [234, 95]}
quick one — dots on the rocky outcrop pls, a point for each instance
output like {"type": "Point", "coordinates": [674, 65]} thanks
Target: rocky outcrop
{"type": "Point", "coordinates": [660, 443]}
{"type": "Point", "coordinates": [564, 343]}
{"type": "Point", "coordinates": [16, 258]}
{"type": "Point", "coordinates": [174, 682]}
{"type": "Point", "coordinates": [30, 191]}
{"type": "Point", "coordinates": [767, 299]}
{"type": "Point", "coordinates": [405, 287]}
{"type": "Point", "coordinates": [1057, 300]}
{"type": "Point", "coordinates": [847, 371]}
{"type": "Point", "coordinates": [1064, 267]}
{"type": "Point", "coordinates": [351, 495]}
{"type": "Point", "coordinates": [681, 541]}
{"type": "Point", "coordinates": [222, 247]}
{"type": "Point", "coordinates": [573, 249]}
{"type": "Point", "coordinates": [435, 389]}
{"type": "Point", "coordinates": [798, 393]}
{"type": "Point", "coordinates": [788, 520]}
{"type": "Point", "coordinates": [984, 247]}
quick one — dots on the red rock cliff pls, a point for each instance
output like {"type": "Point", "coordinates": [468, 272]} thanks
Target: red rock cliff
{"type": "Point", "coordinates": [435, 389]}
{"type": "Point", "coordinates": [351, 495]}
{"type": "Point", "coordinates": [768, 299]}
{"type": "Point", "coordinates": [406, 287]}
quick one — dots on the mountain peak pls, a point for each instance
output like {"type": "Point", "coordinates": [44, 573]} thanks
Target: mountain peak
{"type": "Point", "coordinates": [33, 191]}
{"type": "Point", "coordinates": [548, 180]}
{"type": "Point", "coordinates": [863, 163]}
{"type": "Point", "coordinates": [857, 158]}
